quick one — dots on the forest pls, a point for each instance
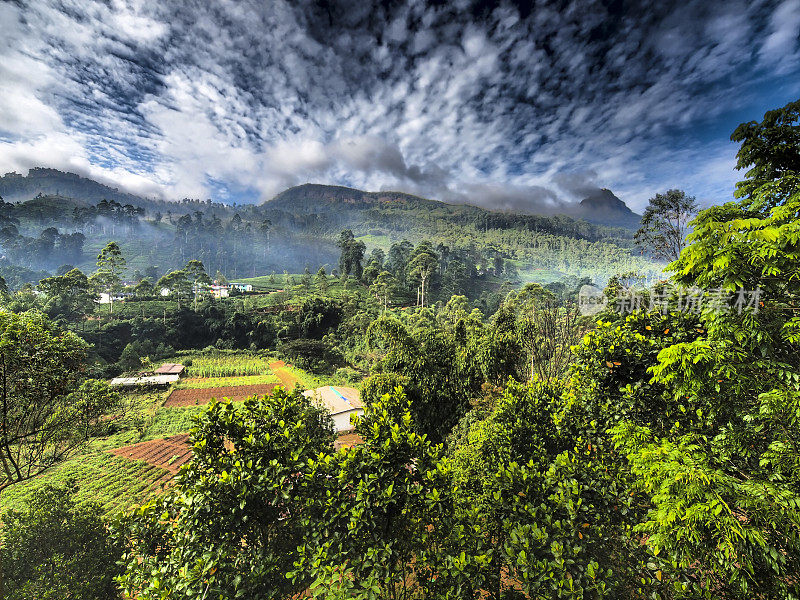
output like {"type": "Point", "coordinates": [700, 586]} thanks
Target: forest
{"type": "Point", "coordinates": [511, 445]}
{"type": "Point", "coordinates": [296, 230]}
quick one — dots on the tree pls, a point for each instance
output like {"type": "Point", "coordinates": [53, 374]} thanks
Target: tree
{"type": "Point", "coordinates": [3, 288]}
{"type": "Point", "coordinates": [383, 288]}
{"type": "Point", "coordinates": [665, 224]}
{"type": "Point", "coordinates": [422, 265]}
{"type": "Point", "coordinates": [547, 332]}
{"type": "Point", "coordinates": [177, 283]}
{"type": "Point", "coordinates": [352, 254]}
{"type": "Point", "coordinates": [70, 295]}
{"type": "Point", "coordinates": [770, 150]}
{"type": "Point", "coordinates": [110, 266]}
{"type": "Point", "coordinates": [382, 521]}
{"type": "Point", "coordinates": [47, 409]}
{"type": "Point", "coordinates": [58, 549]}
{"type": "Point", "coordinates": [322, 281]}
{"type": "Point", "coordinates": [232, 524]}
{"type": "Point", "coordinates": [197, 276]}
{"type": "Point", "coordinates": [144, 288]}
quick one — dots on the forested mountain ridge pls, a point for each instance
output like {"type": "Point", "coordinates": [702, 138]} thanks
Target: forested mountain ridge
{"type": "Point", "coordinates": [295, 230]}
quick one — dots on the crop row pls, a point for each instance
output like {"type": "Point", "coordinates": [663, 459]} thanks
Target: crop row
{"type": "Point", "coordinates": [223, 365]}
{"type": "Point", "coordinates": [111, 481]}
{"type": "Point", "coordinates": [215, 382]}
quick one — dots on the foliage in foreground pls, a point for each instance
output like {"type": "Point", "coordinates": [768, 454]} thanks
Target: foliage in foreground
{"type": "Point", "coordinates": [57, 549]}
{"type": "Point", "coordinates": [48, 409]}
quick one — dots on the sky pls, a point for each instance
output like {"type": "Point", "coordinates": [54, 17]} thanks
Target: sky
{"type": "Point", "coordinates": [509, 106]}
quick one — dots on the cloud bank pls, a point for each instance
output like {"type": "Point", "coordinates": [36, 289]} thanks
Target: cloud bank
{"type": "Point", "coordinates": [501, 105]}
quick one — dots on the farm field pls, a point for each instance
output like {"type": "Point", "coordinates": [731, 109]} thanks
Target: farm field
{"type": "Point", "coordinates": [148, 441]}
{"type": "Point", "coordinates": [215, 382]}
{"type": "Point", "coordinates": [115, 483]}
{"type": "Point", "coordinates": [198, 396]}
{"type": "Point", "coordinates": [169, 453]}
{"type": "Point", "coordinates": [227, 365]}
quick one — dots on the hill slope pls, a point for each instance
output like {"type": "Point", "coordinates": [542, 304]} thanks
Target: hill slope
{"type": "Point", "coordinates": [297, 229]}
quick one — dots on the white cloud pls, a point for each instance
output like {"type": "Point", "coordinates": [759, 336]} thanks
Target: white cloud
{"type": "Point", "coordinates": [501, 110]}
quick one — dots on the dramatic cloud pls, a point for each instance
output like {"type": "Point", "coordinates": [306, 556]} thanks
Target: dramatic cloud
{"type": "Point", "coordinates": [505, 106]}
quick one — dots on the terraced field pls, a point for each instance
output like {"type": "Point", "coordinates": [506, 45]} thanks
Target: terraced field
{"type": "Point", "coordinates": [169, 453]}
{"type": "Point", "coordinates": [116, 483]}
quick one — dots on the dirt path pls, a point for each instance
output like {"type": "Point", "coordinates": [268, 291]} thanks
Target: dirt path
{"type": "Point", "coordinates": [288, 380]}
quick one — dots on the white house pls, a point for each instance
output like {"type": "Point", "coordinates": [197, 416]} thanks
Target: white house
{"type": "Point", "coordinates": [242, 287]}
{"type": "Point", "coordinates": [219, 291]}
{"type": "Point", "coordinates": [341, 402]}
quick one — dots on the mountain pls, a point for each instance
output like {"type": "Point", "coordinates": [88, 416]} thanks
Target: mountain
{"type": "Point", "coordinates": [52, 182]}
{"type": "Point", "coordinates": [295, 230]}
{"type": "Point", "coordinates": [604, 208]}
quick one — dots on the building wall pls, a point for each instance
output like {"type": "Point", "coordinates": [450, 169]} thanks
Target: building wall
{"type": "Point", "coordinates": [342, 420]}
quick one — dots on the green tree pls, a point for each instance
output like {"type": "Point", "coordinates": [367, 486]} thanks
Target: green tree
{"type": "Point", "coordinates": [422, 265]}
{"type": "Point", "coordinates": [665, 224]}
{"type": "Point", "coordinates": [144, 288]}
{"type": "Point", "coordinates": [352, 254]}
{"type": "Point", "coordinates": [383, 522]}
{"type": "Point", "coordinates": [48, 410]}
{"type": "Point", "coordinates": [70, 295]}
{"type": "Point", "coordinates": [770, 150]}
{"type": "Point", "coordinates": [197, 276]}
{"type": "Point", "coordinates": [177, 283]}
{"type": "Point", "coordinates": [3, 289]}
{"type": "Point", "coordinates": [383, 288]}
{"type": "Point", "coordinates": [57, 549]}
{"type": "Point", "coordinates": [232, 525]}
{"type": "Point", "coordinates": [442, 373]}
{"type": "Point", "coordinates": [110, 266]}
{"type": "Point", "coordinates": [322, 281]}
{"type": "Point", "coordinates": [305, 280]}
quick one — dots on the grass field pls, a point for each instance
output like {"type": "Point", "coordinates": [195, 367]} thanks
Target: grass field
{"type": "Point", "coordinates": [169, 421]}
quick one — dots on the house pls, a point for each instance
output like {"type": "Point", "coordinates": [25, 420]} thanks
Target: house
{"type": "Point", "coordinates": [241, 287]}
{"type": "Point", "coordinates": [341, 402]}
{"type": "Point", "coordinates": [219, 291]}
{"type": "Point", "coordinates": [104, 298]}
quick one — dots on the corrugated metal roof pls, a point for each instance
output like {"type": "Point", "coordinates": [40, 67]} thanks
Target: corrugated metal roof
{"type": "Point", "coordinates": [145, 380]}
{"type": "Point", "coordinates": [337, 399]}
{"type": "Point", "coordinates": [169, 368]}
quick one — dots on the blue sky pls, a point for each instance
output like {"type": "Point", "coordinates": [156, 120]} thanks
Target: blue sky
{"type": "Point", "coordinates": [509, 107]}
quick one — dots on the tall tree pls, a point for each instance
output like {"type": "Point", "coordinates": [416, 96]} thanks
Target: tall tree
{"type": "Point", "coordinates": [196, 274]}
{"type": "Point", "coordinates": [47, 410]}
{"type": "Point", "coordinates": [110, 266]}
{"type": "Point", "coordinates": [665, 224]}
{"type": "Point", "coordinates": [383, 288]}
{"type": "Point", "coordinates": [322, 281]}
{"type": "Point", "coordinates": [769, 150]}
{"type": "Point", "coordinates": [352, 254]}
{"type": "Point", "coordinates": [422, 266]}
{"type": "Point", "coordinates": [69, 295]}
